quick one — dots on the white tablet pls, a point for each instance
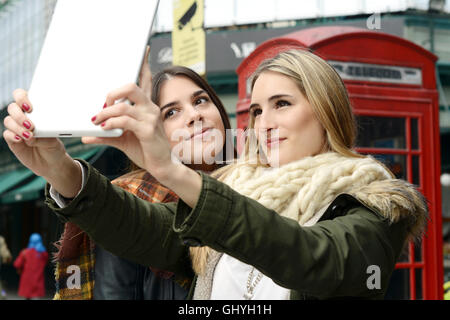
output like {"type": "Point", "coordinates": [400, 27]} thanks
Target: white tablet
{"type": "Point", "coordinates": [91, 48]}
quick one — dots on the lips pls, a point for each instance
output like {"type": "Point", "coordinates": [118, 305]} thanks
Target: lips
{"type": "Point", "coordinates": [199, 133]}
{"type": "Point", "coordinates": [275, 141]}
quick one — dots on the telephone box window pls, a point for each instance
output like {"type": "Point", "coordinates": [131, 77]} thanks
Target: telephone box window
{"type": "Point", "coordinates": [419, 295]}
{"type": "Point", "coordinates": [418, 251]}
{"type": "Point", "coordinates": [399, 285]}
{"type": "Point", "coordinates": [395, 162]}
{"type": "Point", "coordinates": [381, 132]}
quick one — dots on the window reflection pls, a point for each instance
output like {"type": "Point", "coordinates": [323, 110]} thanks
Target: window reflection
{"type": "Point", "coordinates": [381, 132]}
{"type": "Point", "coordinates": [395, 162]}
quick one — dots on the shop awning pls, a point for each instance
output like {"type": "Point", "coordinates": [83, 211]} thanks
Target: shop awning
{"type": "Point", "coordinates": [33, 189]}
{"type": "Point", "coordinates": [29, 191]}
{"type": "Point", "coordinates": [12, 178]}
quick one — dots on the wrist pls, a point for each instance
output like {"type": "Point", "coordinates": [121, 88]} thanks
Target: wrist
{"type": "Point", "coordinates": [65, 177]}
{"type": "Point", "coordinates": [169, 175]}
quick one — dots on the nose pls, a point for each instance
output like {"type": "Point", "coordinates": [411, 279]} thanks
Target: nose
{"type": "Point", "coordinates": [265, 121]}
{"type": "Point", "coordinates": [265, 125]}
{"type": "Point", "coordinates": [193, 116]}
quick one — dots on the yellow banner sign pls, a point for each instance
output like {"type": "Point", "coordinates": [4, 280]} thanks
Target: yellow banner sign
{"type": "Point", "coordinates": [188, 36]}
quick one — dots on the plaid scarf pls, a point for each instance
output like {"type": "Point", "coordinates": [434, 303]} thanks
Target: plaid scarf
{"type": "Point", "coordinates": [76, 248]}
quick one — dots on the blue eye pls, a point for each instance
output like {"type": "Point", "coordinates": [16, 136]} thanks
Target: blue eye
{"type": "Point", "coordinates": [256, 112]}
{"type": "Point", "coordinates": [282, 103]}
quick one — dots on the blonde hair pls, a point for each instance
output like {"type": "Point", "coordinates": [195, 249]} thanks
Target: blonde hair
{"type": "Point", "coordinates": [327, 95]}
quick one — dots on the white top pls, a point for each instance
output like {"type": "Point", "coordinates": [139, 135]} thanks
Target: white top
{"type": "Point", "coordinates": [230, 282]}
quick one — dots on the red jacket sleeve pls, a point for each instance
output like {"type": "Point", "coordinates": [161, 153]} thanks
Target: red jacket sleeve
{"type": "Point", "coordinates": [19, 262]}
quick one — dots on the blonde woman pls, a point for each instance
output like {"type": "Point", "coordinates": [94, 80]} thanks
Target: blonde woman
{"type": "Point", "coordinates": [301, 215]}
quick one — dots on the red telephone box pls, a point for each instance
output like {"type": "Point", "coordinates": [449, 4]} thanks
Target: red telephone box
{"type": "Point", "coordinates": [392, 88]}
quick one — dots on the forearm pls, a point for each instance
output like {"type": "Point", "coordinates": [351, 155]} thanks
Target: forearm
{"type": "Point", "coordinates": [125, 225]}
{"type": "Point", "coordinates": [66, 178]}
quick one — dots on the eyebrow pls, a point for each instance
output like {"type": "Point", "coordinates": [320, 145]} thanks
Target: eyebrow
{"type": "Point", "coordinates": [274, 97]}
{"type": "Point", "coordinates": [171, 104]}
{"type": "Point", "coordinates": [198, 93]}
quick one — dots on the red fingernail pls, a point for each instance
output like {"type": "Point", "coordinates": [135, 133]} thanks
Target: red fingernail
{"type": "Point", "coordinates": [17, 137]}
{"type": "Point", "coordinates": [26, 124]}
{"type": "Point", "coordinates": [93, 118]}
{"type": "Point", "coordinates": [26, 107]}
{"type": "Point", "coordinates": [103, 124]}
{"type": "Point", "coordinates": [26, 135]}
{"type": "Point", "coordinates": [104, 106]}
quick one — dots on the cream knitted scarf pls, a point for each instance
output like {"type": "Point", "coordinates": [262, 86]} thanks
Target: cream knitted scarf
{"type": "Point", "coordinates": [298, 190]}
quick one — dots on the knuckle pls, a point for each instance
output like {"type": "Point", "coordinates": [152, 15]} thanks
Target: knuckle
{"type": "Point", "coordinates": [109, 96]}
{"type": "Point", "coordinates": [11, 107]}
{"type": "Point", "coordinates": [122, 108]}
{"type": "Point", "coordinates": [125, 121]}
{"type": "Point", "coordinates": [7, 135]}
{"type": "Point", "coordinates": [131, 86]}
{"type": "Point", "coordinates": [18, 92]}
{"type": "Point", "coordinates": [7, 121]}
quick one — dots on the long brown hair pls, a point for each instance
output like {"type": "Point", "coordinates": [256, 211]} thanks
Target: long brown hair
{"type": "Point", "coordinates": [158, 80]}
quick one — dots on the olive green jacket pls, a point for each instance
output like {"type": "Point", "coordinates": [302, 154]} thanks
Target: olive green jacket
{"type": "Point", "coordinates": [332, 259]}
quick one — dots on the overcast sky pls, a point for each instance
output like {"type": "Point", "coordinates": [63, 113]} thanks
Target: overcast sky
{"type": "Point", "coordinates": [230, 12]}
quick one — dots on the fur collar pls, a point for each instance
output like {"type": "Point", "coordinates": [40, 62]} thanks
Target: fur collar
{"type": "Point", "coordinates": [298, 190]}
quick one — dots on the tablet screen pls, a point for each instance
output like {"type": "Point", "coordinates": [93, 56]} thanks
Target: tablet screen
{"type": "Point", "coordinates": [91, 48]}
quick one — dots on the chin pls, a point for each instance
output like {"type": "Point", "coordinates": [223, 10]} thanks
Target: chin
{"type": "Point", "coordinates": [275, 158]}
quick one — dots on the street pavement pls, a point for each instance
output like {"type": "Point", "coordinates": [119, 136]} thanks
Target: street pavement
{"type": "Point", "coordinates": [12, 295]}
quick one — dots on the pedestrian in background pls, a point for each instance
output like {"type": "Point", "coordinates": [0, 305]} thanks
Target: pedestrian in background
{"type": "Point", "coordinates": [5, 257]}
{"type": "Point", "coordinates": [30, 264]}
